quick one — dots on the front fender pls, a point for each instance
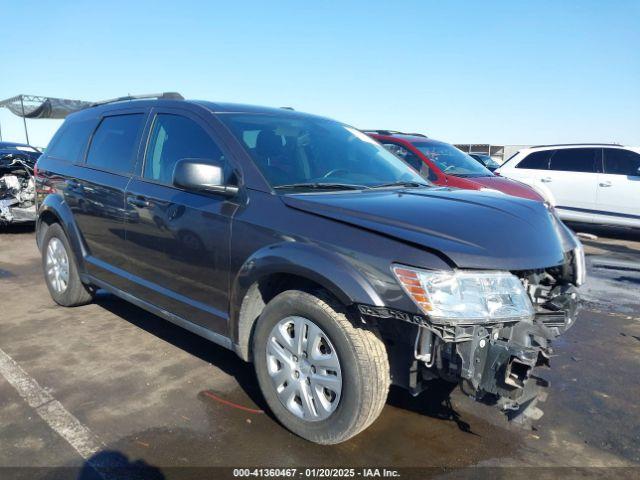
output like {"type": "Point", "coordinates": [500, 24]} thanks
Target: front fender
{"type": "Point", "coordinates": [329, 269]}
{"type": "Point", "coordinates": [54, 207]}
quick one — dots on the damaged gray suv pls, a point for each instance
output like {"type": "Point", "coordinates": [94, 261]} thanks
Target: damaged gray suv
{"type": "Point", "coordinates": [311, 251]}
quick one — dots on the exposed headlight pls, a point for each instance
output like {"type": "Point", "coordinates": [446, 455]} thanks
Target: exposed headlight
{"type": "Point", "coordinates": [579, 265]}
{"type": "Point", "coordinates": [465, 296]}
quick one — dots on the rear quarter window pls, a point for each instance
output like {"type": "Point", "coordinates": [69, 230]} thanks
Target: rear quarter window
{"type": "Point", "coordinates": [618, 161]}
{"type": "Point", "coordinates": [70, 142]}
{"type": "Point", "coordinates": [115, 143]}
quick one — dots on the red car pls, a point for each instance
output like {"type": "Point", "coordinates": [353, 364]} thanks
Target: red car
{"type": "Point", "coordinates": [445, 165]}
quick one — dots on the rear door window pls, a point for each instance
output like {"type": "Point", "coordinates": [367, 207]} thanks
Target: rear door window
{"type": "Point", "coordinates": [575, 160]}
{"type": "Point", "coordinates": [71, 140]}
{"type": "Point", "coordinates": [115, 143]}
{"type": "Point", "coordinates": [618, 161]}
{"type": "Point", "coordinates": [536, 160]}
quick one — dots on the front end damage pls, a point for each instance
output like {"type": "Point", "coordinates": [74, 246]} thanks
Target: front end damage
{"type": "Point", "coordinates": [496, 362]}
{"type": "Point", "coordinates": [17, 189]}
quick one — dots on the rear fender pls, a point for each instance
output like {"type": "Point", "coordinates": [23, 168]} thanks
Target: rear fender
{"type": "Point", "coordinates": [54, 207]}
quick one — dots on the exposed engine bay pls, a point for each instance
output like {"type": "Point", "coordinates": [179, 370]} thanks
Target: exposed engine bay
{"type": "Point", "coordinates": [497, 362]}
{"type": "Point", "coordinates": [17, 189]}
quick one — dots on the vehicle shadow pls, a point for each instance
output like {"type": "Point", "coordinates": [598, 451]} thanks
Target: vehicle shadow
{"type": "Point", "coordinates": [434, 402]}
{"type": "Point", "coordinates": [116, 465]}
{"type": "Point", "coordinates": [17, 228]}
{"type": "Point", "coordinates": [612, 249]}
{"type": "Point", "coordinates": [222, 358]}
{"type": "Point", "coordinates": [611, 232]}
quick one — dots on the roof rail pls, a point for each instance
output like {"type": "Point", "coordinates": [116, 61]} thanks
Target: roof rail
{"type": "Point", "coordinates": [164, 96]}
{"type": "Point", "coordinates": [576, 144]}
{"type": "Point", "coordinates": [380, 132]}
{"type": "Point", "coordinates": [392, 132]}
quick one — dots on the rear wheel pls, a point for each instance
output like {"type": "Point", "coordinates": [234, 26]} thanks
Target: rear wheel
{"type": "Point", "coordinates": [61, 270]}
{"type": "Point", "coordinates": [323, 378]}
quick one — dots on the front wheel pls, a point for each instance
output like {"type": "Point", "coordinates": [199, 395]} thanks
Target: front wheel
{"type": "Point", "coordinates": [323, 378]}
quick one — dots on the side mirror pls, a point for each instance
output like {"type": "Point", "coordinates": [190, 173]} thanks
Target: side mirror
{"type": "Point", "coordinates": [202, 175]}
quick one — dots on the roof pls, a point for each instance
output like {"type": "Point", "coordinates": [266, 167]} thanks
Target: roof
{"type": "Point", "coordinates": [226, 107]}
{"type": "Point", "coordinates": [214, 107]}
{"type": "Point", "coordinates": [577, 145]}
{"type": "Point", "coordinates": [392, 133]}
{"type": "Point", "coordinates": [411, 138]}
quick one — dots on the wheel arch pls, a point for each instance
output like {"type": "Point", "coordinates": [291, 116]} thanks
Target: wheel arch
{"type": "Point", "coordinates": [275, 269]}
{"type": "Point", "coordinates": [55, 210]}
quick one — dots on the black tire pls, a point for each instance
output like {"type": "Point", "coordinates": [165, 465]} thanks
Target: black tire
{"type": "Point", "coordinates": [363, 361]}
{"type": "Point", "coordinates": [75, 293]}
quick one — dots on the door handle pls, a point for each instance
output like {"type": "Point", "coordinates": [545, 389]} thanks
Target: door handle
{"type": "Point", "coordinates": [605, 184]}
{"type": "Point", "coordinates": [546, 180]}
{"type": "Point", "coordinates": [138, 201]}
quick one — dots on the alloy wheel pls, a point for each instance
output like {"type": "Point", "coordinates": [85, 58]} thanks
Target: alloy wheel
{"type": "Point", "coordinates": [57, 265]}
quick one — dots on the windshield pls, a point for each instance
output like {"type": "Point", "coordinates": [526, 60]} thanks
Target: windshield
{"type": "Point", "coordinates": [307, 152]}
{"type": "Point", "coordinates": [451, 160]}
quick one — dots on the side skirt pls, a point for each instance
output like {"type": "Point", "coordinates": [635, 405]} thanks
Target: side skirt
{"type": "Point", "coordinates": [175, 319]}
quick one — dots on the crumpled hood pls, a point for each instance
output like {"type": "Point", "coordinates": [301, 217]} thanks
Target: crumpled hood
{"type": "Point", "coordinates": [473, 229]}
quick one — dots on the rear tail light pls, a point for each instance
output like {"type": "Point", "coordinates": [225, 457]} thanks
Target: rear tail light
{"type": "Point", "coordinates": [41, 187]}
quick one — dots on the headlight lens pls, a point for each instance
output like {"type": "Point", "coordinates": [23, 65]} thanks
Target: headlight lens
{"type": "Point", "coordinates": [465, 296]}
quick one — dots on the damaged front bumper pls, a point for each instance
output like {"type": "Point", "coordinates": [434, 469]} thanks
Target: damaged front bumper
{"type": "Point", "coordinates": [494, 363]}
{"type": "Point", "coordinates": [500, 371]}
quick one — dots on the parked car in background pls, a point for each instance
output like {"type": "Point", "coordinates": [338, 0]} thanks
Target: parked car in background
{"type": "Point", "coordinates": [446, 165]}
{"type": "Point", "coordinates": [11, 148]}
{"type": "Point", "coordinates": [17, 186]}
{"type": "Point", "coordinates": [308, 249]}
{"type": "Point", "coordinates": [485, 160]}
{"type": "Point", "coordinates": [592, 183]}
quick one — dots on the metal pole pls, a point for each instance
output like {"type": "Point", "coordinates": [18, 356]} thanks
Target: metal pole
{"type": "Point", "coordinates": [24, 120]}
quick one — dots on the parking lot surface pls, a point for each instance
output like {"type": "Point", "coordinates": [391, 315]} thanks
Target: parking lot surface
{"type": "Point", "coordinates": [121, 385]}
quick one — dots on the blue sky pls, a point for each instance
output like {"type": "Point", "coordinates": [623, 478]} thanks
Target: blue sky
{"type": "Point", "coordinates": [512, 72]}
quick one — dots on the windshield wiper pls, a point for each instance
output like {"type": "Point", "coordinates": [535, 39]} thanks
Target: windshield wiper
{"type": "Point", "coordinates": [321, 186]}
{"type": "Point", "coordinates": [402, 184]}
